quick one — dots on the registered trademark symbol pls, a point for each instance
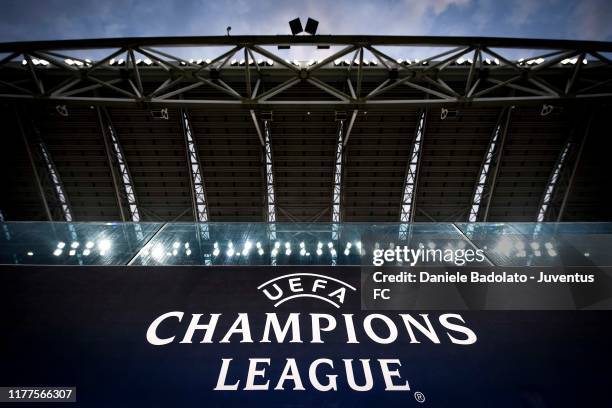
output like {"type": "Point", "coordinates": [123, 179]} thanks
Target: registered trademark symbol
{"type": "Point", "coordinates": [419, 397]}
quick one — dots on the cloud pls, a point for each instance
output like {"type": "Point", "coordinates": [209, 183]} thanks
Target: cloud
{"type": "Point", "coordinates": [61, 19]}
{"type": "Point", "coordinates": [593, 20]}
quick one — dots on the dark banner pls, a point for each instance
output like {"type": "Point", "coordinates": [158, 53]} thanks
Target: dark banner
{"type": "Point", "coordinates": [281, 337]}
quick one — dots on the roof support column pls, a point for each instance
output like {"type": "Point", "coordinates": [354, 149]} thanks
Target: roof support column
{"type": "Point", "coordinates": [498, 159]}
{"type": "Point", "coordinates": [109, 156]}
{"type": "Point", "coordinates": [269, 168]}
{"type": "Point", "coordinates": [41, 190]}
{"type": "Point", "coordinates": [337, 192]}
{"type": "Point", "coordinates": [200, 207]}
{"type": "Point", "coordinates": [494, 149]}
{"type": "Point", "coordinates": [572, 150]}
{"type": "Point", "coordinates": [574, 169]}
{"type": "Point", "coordinates": [58, 187]}
{"type": "Point", "coordinates": [411, 179]}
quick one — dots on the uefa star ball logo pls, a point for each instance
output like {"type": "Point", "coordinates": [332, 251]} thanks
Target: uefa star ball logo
{"type": "Point", "coordinates": [306, 285]}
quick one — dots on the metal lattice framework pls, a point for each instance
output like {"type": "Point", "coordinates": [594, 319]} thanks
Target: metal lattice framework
{"type": "Point", "coordinates": [482, 178]}
{"type": "Point", "coordinates": [269, 170]}
{"type": "Point", "coordinates": [571, 151]}
{"type": "Point", "coordinates": [492, 156]}
{"type": "Point", "coordinates": [55, 180]}
{"type": "Point", "coordinates": [115, 151]}
{"type": "Point", "coordinates": [466, 70]}
{"type": "Point", "coordinates": [407, 207]}
{"type": "Point", "coordinates": [220, 108]}
{"type": "Point", "coordinates": [199, 195]}
{"type": "Point", "coordinates": [337, 193]}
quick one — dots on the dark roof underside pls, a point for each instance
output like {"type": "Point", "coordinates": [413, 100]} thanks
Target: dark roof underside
{"type": "Point", "coordinates": [303, 146]}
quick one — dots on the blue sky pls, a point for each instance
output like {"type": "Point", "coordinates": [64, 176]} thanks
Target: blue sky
{"type": "Point", "coordinates": [55, 19]}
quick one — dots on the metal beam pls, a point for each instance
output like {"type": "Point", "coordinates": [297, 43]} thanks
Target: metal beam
{"type": "Point", "coordinates": [265, 104]}
{"type": "Point", "coordinates": [570, 183]}
{"type": "Point", "coordinates": [269, 171]}
{"type": "Point", "coordinates": [272, 40]}
{"type": "Point", "coordinates": [41, 190]}
{"type": "Point", "coordinates": [481, 181]}
{"type": "Point", "coordinates": [350, 126]}
{"type": "Point", "coordinates": [498, 160]}
{"type": "Point", "coordinates": [412, 171]}
{"type": "Point", "coordinates": [198, 192]}
{"type": "Point", "coordinates": [111, 165]}
{"type": "Point", "coordinates": [257, 128]}
{"type": "Point", "coordinates": [124, 171]}
{"type": "Point", "coordinates": [337, 190]}
{"type": "Point", "coordinates": [438, 70]}
{"type": "Point", "coordinates": [270, 195]}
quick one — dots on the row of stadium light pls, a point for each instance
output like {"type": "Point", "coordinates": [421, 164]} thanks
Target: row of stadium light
{"type": "Point", "coordinates": [338, 62]}
{"type": "Point", "coordinates": [102, 247]}
{"type": "Point", "coordinates": [159, 251]}
{"type": "Point", "coordinates": [505, 246]}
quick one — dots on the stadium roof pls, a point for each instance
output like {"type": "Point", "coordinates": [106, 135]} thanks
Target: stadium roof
{"type": "Point", "coordinates": [232, 131]}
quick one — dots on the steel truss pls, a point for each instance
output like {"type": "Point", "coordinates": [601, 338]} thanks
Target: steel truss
{"type": "Point", "coordinates": [117, 162]}
{"type": "Point", "coordinates": [559, 184]}
{"type": "Point", "coordinates": [492, 157]}
{"type": "Point", "coordinates": [269, 171]}
{"type": "Point", "coordinates": [468, 70]}
{"type": "Point", "coordinates": [42, 162]}
{"type": "Point", "coordinates": [200, 207]}
{"type": "Point", "coordinates": [337, 191]}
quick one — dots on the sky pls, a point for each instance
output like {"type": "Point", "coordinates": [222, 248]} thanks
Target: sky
{"type": "Point", "coordinates": [24, 20]}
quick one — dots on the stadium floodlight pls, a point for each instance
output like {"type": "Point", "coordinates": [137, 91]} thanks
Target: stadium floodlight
{"type": "Point", "coordinates": [296, 26]}
{"type": "Point", "coordinates": [311, 26]}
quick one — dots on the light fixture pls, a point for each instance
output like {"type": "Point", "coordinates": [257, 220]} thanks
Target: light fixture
{"type": "Point", "coordinates": [247, 247]}
{"type": "Point", "coordinates": [311, 26]}
{"type": "Point", "coordinates": [296, 26]}
{"type": "Point", "coordinates": [157, 252]}
{"type": "Point", "coordinates": [104, 245]}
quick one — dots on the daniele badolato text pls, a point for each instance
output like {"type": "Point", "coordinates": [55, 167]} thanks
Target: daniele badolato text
{"type": "Point", "coordinates": [321, 374]}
